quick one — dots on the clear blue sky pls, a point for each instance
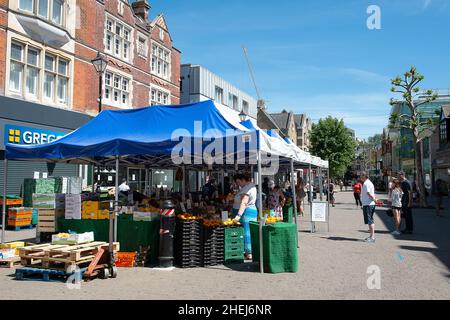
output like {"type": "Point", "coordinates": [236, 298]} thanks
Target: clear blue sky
{"type": "Point", "coordinates": [316, 56]}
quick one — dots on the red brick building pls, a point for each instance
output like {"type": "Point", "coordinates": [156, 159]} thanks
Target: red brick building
{"type": "Point", "coordinates": [46, 48]}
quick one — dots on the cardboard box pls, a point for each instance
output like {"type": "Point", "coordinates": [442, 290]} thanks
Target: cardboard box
{"type": "Point", "coordinates": [13, 245]}
{"type": "Point", "coordinates": [145, 216]}
{"type": "Point", "coordinates": [104, 215]}
{"type": "Point", "coordinates": [49, 201]}
{"type": "Point", "coordinates": [89, 215]}
{"type": "Point", "coordinates": [7, 253]}
{"type": "Point", "coordinates": [73, 238]}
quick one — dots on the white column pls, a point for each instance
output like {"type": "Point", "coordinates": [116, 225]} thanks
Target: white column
{"type": "Point", "coordinates": [5, 184]}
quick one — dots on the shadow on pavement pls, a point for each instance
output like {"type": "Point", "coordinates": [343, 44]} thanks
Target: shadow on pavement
{"type": "Point", "coordinates": [342, 239]}
{"type": "Point", "coordinates": [428, 229]}
{"type": "Point", "coordinates": [241, 267]}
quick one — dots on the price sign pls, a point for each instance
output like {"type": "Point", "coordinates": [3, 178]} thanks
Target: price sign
{"type": "Point", "coordinates": [319, 211]}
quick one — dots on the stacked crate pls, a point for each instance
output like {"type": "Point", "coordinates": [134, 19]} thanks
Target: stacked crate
{"type": "Point", "coordinates": [213, 246]}
{"type": "Point", "coordinates": [73, 206]}
{"type": "Point", "coordinates": [19, 218]}
{"type": "Point", "coordinates": [40, 186]}
{"type": "Point", "coordinates": [95, 210]}
{"type": "Point", "coordinates": [188, 243]}
{"type": "Point", "coordinates": [234, 245]}
{"type": "Point", "coordinates": [50, 208]}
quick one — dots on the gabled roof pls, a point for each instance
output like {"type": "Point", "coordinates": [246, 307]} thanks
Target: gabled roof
{"type": "Point", "coordinates": [300, 119]}
{"type": "Point", "coordinates": [160, 21]}
{"type": "Point", "coordinates": [446, 111]}
{"type": "Point", "coordinates": [283, 119]}
{"type": "Point", "coordinates": [262, 112]}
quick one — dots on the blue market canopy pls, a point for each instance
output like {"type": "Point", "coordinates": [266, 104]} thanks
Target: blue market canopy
{"type": "Point", "coordinates": [148, 134]}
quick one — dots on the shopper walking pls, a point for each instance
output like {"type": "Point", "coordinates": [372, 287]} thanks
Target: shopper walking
{"type": "Point", "coordinates": [300, 194]}
{"type": "Point", "coordinates": [369, 201]}
{"type": "Point", "coordinates": [357, 187]}
{"type": "Point", "coordinates": [331, 193]}
{"type": "Point", "coordinates": [244, 208]}
{"type": "Point", "coordinates": [397, 195]}
{"type": "Point", "coordinates": [407, 203]}
{"type": "Point", "coordinates": [441, 192]}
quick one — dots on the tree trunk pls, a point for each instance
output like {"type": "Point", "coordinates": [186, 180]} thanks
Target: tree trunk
{"type": "Point", "coordinates": [420, 184]}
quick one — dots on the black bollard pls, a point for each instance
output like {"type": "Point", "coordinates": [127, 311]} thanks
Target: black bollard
{"type": "Point", "coordinates": [166, 235]}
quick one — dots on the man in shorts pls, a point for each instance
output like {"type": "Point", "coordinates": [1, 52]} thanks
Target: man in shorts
{"type": "Point", "coordinates": [368, 200]}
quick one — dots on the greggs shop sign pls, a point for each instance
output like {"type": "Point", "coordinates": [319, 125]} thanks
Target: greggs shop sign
{"type": "Point", "coordinates": [30, 136]}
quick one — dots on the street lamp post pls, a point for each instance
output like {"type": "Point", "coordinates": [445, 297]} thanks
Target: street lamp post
{"type": "Point", "coordinates": [100, 64]}
{"type": "Point", "coordinates": [242, 116]}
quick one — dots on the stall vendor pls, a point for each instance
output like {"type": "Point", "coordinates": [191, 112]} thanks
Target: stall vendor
{"type": "Point", "coordinates": [244, 208]}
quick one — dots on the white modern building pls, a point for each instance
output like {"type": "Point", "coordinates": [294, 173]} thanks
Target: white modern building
{"type": "Point", "coordinates": [200, 84]}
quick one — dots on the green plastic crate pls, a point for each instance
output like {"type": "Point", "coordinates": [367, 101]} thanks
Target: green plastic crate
{"type": "Point", "coordinates": [231, 233]}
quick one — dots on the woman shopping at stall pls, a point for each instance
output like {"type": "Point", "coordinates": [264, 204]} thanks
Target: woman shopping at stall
{"type": "Point", "coordinates": [244, 208]}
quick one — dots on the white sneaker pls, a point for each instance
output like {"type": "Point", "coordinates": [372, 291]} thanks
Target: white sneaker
{"type": "Point", "coordinates": [396, 233]}
{"type": "Point", "coordinates": [370, 240]}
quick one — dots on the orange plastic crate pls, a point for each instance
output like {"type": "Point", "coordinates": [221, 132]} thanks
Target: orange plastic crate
{"type": "Point", "coordinates": [12, 202]}
{"type": "Point", "coordinates": [19, 223]}
{"type": "Point", "coordinates": [125, 259]}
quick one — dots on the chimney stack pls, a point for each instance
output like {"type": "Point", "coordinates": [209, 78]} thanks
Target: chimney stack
{"type": "Point", "coordinates": [141, 9]}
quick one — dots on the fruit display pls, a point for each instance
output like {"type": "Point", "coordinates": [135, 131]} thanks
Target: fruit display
{"type": "Point", "coordinates": [231, 223]}
{"type": "Point", "coordinates": [187, 216]}
{"type": "Point", "coordinates": [272, 220]}
{"type": "Point", "coordinates": [211, 224]}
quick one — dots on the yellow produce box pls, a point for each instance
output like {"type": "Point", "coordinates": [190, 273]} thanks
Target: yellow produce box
{"type": "Point", "coordinates": [103, 214]}
{"type": "Point", "coordinates": [13, 245]}
{"type": "Point", "coordinates": [89, 215]}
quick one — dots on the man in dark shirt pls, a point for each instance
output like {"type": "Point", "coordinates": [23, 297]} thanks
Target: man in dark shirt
{"type": "Point", "coordinates": [407, 201]}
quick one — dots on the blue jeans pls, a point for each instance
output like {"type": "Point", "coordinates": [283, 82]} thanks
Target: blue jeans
{"type": "Point", "coordinates": [250, 214]}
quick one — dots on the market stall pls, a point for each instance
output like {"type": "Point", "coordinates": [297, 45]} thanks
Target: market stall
{"type": "Point", "coordinates": [186, 136]}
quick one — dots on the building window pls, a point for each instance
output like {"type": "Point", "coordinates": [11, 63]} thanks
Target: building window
{"type": "Point", "coordinates": [142, 46]}
{"type": "Point", "coordinates": [117, 39]}
{"type": "Point", "coordinates": [161, 34]}
{"type": "Point", "coordinates": [161, 61]}
{"type": "Point", "coordinates": [233, 101]}
{"type": "Point", "coordinates": [52, 10]}
{"type": "Point", "coordinates": [117, 90]}
{"type": "Point", "coordinates": [218, 94]}
{"type": "Point", "coordinates": [25, 76]}
{"type": "Point", "coordinates": [443, 133]}
{"type": "Point", "coordinates": [245, 106]}
{"type": "Point", "coordinates": [159, 97]}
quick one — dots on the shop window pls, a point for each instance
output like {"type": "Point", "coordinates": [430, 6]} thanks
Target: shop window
{"type": "Point", "coordinates": [218, 94]}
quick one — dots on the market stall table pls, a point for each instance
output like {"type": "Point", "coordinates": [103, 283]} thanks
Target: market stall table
{"type": "Point", "coordinates": [279, 245]}
{"type": "Point", "coordinates": [131, 234]}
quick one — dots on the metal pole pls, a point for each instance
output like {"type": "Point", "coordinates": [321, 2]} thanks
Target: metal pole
{"type": "Point", "coordinates": [93, 178]}
{"type": "Point", "coordinates": [100, 91]}
{"type": "Point", "coordinates": [183, 186]}
{"type": "Point", "coordinates": [116, 198]}
{"type": "Point", "coordinates": [223, 181]}
{"type": "Point", "coordinates": [320, 184]}
{"type": "Point", "coordinates": [328, 218]}
{"type": "Point", "coordinates": [261, 250]}
{"type": "Point", "coordinates": [294, 196]}
{"type": "Point", "coordinates": [311, 188]}
{"type": "Point", "coordinates": [5, 183]}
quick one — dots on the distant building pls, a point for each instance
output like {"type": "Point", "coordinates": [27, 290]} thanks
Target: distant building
{"type": "Point", "coordinates": [286, 122]}
{"type": "Point", "coordinates": [266, 122]}
{"type": "Point", "coordinates": [304, 126]}
{"type": "Point", "coordinates": [200, 84]}
{"type": "Point", "coordinates": [352, 133]}
{"type": "Point", "coordinates": [440, 147]}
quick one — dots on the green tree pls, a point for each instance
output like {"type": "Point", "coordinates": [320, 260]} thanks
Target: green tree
{"type": "Point", "coordinates": [331, 141]}
{"type": "Point", "coordinates": [413, 97]}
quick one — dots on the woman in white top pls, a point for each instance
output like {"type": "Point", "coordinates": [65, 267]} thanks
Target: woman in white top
{"type": "Point", "coordinates": [396, 195]}
{"type": "Point", "coordinates": [244, 208]}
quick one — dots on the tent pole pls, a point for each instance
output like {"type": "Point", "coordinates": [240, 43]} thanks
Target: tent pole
{"type": "Point", "coordinates": [183, 185]}
{"type": "Point", "coordinates": [5, 183]}
{"type": "Point", "coordinates": [261, 250]}
{"type": "Point", "coordinates": [116, 198]}
{"type": "Point", "coordinates": [328, 218]}
{"type": "Point", "coordinates": [294, 200]}
{"type": "Point", "coordinates": [311, 188]}
{"type": "Point", "coordinates": [223, 181]}
{"type": "Point", "coordinates": [320, 183]}
{"type": "Point", "coordinates": [93, 178]}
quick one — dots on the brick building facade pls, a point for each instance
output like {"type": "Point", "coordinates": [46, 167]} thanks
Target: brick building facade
{"type": "Point", "coordinates": [46, 48]}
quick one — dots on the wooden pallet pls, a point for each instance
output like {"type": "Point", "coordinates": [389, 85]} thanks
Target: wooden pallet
{"type": "Point", "coordinates": [10, 263]}
{"type": "Point", "coordinates": [77, 252]}
{"type": "Point", "coordinates": [47, 274]}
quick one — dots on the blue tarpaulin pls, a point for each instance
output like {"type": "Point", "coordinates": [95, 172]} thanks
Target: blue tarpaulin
{"type": "Point", "coordinates": [152, 131]}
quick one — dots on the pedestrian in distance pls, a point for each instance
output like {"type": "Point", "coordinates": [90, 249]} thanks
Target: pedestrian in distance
{"type": "Point", "coordinates": [369, 201]}
{"type": "Point", "coordinates": [397, 195]}
{"type": "Point", "coordinates": [331, 192]}
{"type": "Point", "coordinates": [407, 203]}
{"type": "Point", "coordinates": [357, 187]}
{"type": "Point", "coordinates": [300, 194]}
{"type": "Point", "coordinates": [441, 192]}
